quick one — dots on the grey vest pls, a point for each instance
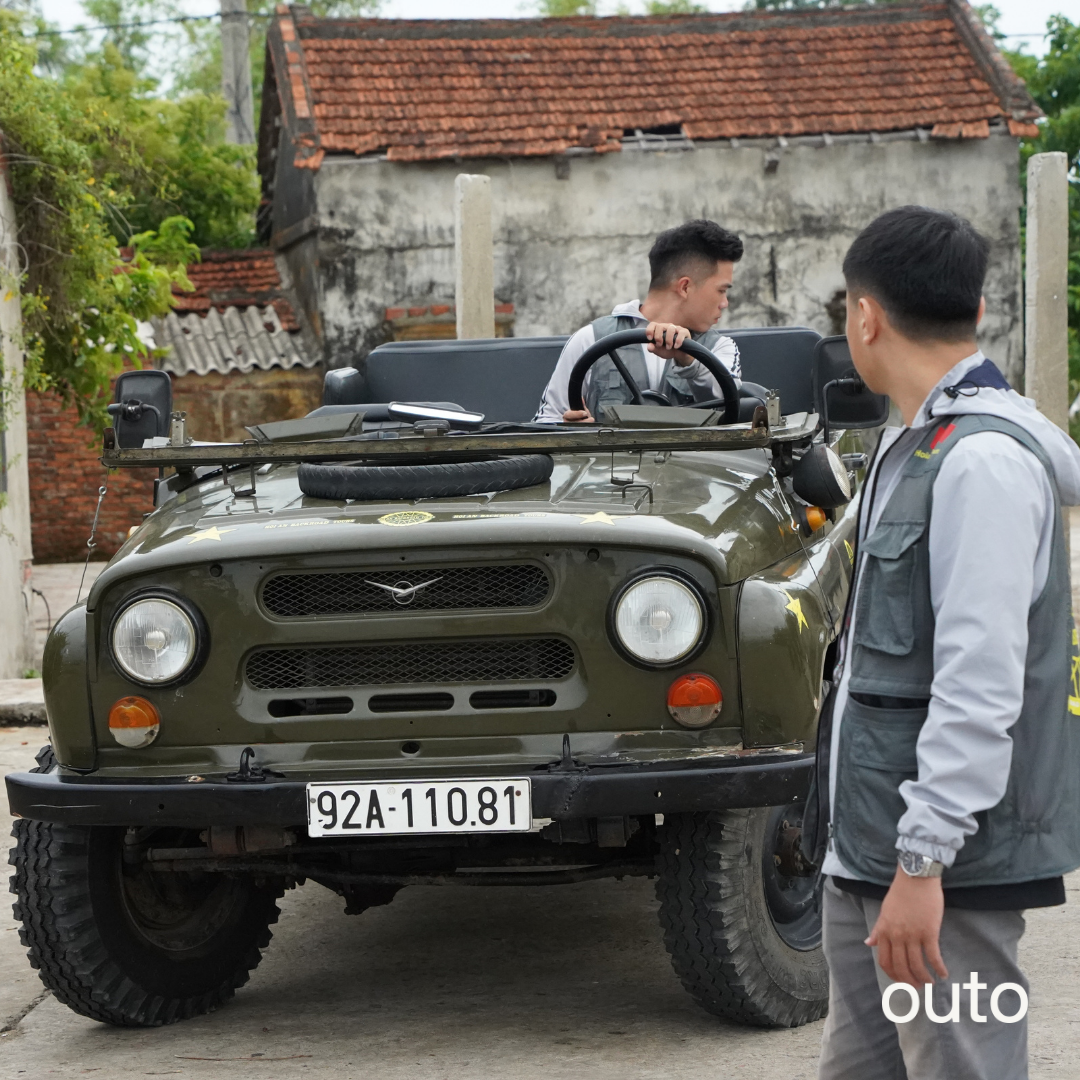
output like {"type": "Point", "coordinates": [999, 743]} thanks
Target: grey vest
{"type": "Point", "coordinates": [1034, 832]}
{"type": "Point", "coordinates": [606, 385]}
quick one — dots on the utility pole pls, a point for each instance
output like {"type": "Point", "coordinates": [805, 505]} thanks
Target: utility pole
{"type": "Point", "coordinates": [1046, 342]}
{"type": "Point", "coordinates": [236, 73]}
{"type": "Point", "coordinates": [474, 270]}
{"type": "Point", "coordinates": [16, 559]}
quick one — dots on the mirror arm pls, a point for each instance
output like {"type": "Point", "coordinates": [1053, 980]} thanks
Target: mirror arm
{"type": "Point", "coordinates": [851, 382]}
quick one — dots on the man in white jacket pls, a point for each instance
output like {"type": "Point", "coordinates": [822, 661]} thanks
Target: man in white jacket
{"type": "Point", "coordinates": [691, 267]}
{"type": "Point", "coordinates": [947, 793]}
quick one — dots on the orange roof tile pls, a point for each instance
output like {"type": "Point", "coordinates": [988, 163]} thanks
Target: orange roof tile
{"type": "Point", "coordinates": [239, 279]}
{"type": "Point", "coordinates": [425, 89]}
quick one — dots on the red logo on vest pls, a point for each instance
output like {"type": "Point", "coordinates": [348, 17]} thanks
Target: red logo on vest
{"type": "Point", "coordinates": [941, 435]}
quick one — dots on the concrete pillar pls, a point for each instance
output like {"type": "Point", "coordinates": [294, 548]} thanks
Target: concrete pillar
{"type": "Point", "coordinates": [236, 73]}
{"type": "Point", "coordinates": [474, 270]}
{"type": "Point", "coordinates": [16, 626]}
{"type": "Point", "coordinates": [1046, 343]}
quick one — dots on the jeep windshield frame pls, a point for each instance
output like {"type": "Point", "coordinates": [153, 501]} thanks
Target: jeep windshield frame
{"type": "Point", "coordinates": [578, 439]}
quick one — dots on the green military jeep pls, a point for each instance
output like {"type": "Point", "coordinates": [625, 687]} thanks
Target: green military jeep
{"type": "Point", "coordinates": [407, 641]}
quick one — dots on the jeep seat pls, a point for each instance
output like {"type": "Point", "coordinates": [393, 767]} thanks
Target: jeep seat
{"type": "Point", "coordinates": [504, 378]}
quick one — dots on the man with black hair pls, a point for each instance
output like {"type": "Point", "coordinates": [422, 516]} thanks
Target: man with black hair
{"type": "Point", "coordinates": [946, 797]}
{"type": "Point", "coordinates": [692, 268]}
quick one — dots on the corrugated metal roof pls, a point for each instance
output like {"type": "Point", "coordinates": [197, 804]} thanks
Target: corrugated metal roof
{"type": "Point", "coordinates": [234, 341]}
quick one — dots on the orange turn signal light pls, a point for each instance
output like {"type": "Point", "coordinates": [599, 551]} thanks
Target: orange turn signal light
{"type": "Point", "coordinates": [134, 722]}
{"type": "Point", "coordinates": [815, 518]}
{"type": "Point", "coordinates": [695, 700]}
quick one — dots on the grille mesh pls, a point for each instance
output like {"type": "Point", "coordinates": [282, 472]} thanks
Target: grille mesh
{"type": "Point", "coordinates": [452, 587]}
{"type": "Point", "coordinates": [417, 662]}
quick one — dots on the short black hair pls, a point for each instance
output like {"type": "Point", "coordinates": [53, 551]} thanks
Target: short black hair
{"type": "Point", "coordinates": [925, 267]}
{"type": "Point", "coordinates": [695, 241]}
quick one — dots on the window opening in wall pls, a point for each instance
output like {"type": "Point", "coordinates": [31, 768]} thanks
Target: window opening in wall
{"type": "Point", "coordinates": [661, 137]}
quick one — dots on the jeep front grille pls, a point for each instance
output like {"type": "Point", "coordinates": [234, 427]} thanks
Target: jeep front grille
{"type": "Point", "coordinates": [414, 662]}
{"type": "Point", "coordinates": [355, 592]}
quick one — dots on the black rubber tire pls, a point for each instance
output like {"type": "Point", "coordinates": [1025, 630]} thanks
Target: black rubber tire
{"type": "Point", "coordinates": [82, 939]}
{"type": "Point", "coordinates": [424, 481]}
{"type": "Point", "coordinates": [717, 928]}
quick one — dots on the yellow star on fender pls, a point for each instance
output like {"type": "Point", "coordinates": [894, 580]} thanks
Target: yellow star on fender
{"type": "Point", "coordinates": [794, 605]}
{"type": "Point", "coordinates": [850, 553]}
{"type": "Point", "coordinates": [599, 518]}
{"type": "Point", "coordinates": [213, 533]}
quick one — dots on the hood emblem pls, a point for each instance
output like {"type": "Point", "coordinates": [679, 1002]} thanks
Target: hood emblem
{"type": "Point", "coordinates": [403, 592]}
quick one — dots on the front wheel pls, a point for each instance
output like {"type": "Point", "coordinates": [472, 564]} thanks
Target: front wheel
{"type": "Point", "coordinates": [737, 910]}
{"type": "Point", "coordinates": [127, 945]}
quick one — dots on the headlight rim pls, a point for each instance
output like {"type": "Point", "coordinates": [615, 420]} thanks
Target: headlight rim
{"type": "Point", "coordinates": [202, 637]}
{"type": "Point", "coordinates": [683, 578]}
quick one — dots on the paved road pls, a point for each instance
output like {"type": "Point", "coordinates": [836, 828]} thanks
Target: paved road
{"type": "Point", "coordinates": [529, 984]}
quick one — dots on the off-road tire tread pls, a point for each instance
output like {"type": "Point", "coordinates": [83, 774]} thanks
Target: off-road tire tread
{"type": "Point", "coordinates": [705, 922]}
{"type": "Point", "coordinates": [58, 931]}
{"type": "Point", "coordinates": [435, 481]}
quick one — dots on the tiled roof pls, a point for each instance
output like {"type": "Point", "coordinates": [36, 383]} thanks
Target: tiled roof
{"type": "Point", "coordinates": [426, 89]}
{"type": "Point", "coordinates": [237, 279]}
{"type": "Point", "coordinates": [237, 340]}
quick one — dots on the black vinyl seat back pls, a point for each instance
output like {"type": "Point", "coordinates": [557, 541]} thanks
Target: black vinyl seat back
{"type": "Point", "coordinates": [780, 358]}
{"type": "Point", "coordinates": [504, 378]}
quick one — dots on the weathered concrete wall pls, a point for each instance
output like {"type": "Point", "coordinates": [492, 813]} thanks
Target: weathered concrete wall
{"type": "Point", "coordinates": [16, 629]}
{"type": "Point", "coordinates": [567, 250]}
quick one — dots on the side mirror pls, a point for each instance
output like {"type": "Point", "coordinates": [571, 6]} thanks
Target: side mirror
{"type": "Point", "coordinates": [141, 407]}
{"type": "Point", "coordinates": [840, 396]}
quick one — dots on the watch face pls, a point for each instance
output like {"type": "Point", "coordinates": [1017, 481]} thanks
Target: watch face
{"type": "Point", "coordinates": [912, 863]}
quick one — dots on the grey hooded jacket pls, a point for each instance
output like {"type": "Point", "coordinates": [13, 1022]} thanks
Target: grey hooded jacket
{"type": "Point", "coordinates": [989, 547]}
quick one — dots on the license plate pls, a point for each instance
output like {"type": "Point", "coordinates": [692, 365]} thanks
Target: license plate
{"type": "Point", "coordinates": [420, 806]}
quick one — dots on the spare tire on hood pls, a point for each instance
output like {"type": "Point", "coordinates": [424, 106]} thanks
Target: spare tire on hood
{"type": "Point", "coordinates": [386, 482]}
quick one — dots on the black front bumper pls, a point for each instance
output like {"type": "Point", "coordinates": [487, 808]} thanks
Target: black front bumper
{"type": "Point", "coordinates": [755, 779]}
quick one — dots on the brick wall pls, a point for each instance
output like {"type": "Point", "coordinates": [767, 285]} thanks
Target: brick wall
{"type": "Point", "coordinates": [65, 475]}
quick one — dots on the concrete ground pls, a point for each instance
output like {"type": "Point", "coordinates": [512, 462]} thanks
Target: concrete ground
{"type": "Point", "coordinates": [563, 982]}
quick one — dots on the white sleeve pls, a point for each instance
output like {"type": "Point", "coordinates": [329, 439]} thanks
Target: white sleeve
{"type": "Point", "coordinates": [555, 401]}
{"type": "Point", "coordinates": [698, 380]}
{"type": "Point", "coordinates": [990, 532]}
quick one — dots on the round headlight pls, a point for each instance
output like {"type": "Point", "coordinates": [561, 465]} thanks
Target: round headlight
{"type": "Point", "coordinates": [659, 620]}
{"type": "Point", "coordinates": [154, 641]}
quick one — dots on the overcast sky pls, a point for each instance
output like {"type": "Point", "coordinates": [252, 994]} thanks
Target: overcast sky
{"type": "Point", "coordinates": [1018, 17]}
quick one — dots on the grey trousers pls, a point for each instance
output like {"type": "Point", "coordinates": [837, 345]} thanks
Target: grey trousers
{"type": "Point", "coordinates": [861, 1043]}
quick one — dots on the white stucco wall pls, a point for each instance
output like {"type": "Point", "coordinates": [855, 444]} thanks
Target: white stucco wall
{"type": "Point", "coordinates": [567, 250]}
{"type": "Point", "coordinates": [16, 638]}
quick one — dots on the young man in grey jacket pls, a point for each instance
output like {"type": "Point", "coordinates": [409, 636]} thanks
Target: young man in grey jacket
{"type": "Point", "coordinates": [947, 794]}
{"type": "Point", "coordinates": [691, 267]}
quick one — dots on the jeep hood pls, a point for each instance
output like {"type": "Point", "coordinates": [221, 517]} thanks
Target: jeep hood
{"type": "Point", "coordinates": [723, 506]}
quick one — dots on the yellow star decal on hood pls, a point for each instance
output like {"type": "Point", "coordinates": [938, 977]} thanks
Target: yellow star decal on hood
{"type": "Point", "coordinates": [213, 533]}
{"type": "Point", "coordinates": [794, 605]}
{"type": "Point", "coordinates": [599, 518]}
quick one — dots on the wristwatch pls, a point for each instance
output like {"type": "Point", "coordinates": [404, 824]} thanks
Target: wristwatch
{"type": "Point", "coordinates": [916, 865]}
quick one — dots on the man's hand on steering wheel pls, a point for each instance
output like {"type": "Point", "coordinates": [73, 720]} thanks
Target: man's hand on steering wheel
{"type": "Point", "coordinates": [666, 338]}
{"type": "Point", "coordinates": [579, 416]}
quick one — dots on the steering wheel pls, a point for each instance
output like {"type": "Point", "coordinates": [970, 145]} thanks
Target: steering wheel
{"type": "Point", "coordinates": [609, 345]}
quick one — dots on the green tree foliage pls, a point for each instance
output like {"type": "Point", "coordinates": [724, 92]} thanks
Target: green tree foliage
{"type": "Point", "coordinates": [673, 7]}
{"type": "Point", "coordinates": [170, 157]}
{"type": "Point", "coordinates": [561, 9]}
{"type": "Point", "coordinates": [1054, 82]}
{"type": "Point", "coordinates": [198, 67]}
{"type": "Point", "coordinates": [81, 303]}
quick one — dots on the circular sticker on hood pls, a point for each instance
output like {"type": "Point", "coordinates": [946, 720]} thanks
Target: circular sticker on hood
{"type": "Point", "coordinates": [406, 517]}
